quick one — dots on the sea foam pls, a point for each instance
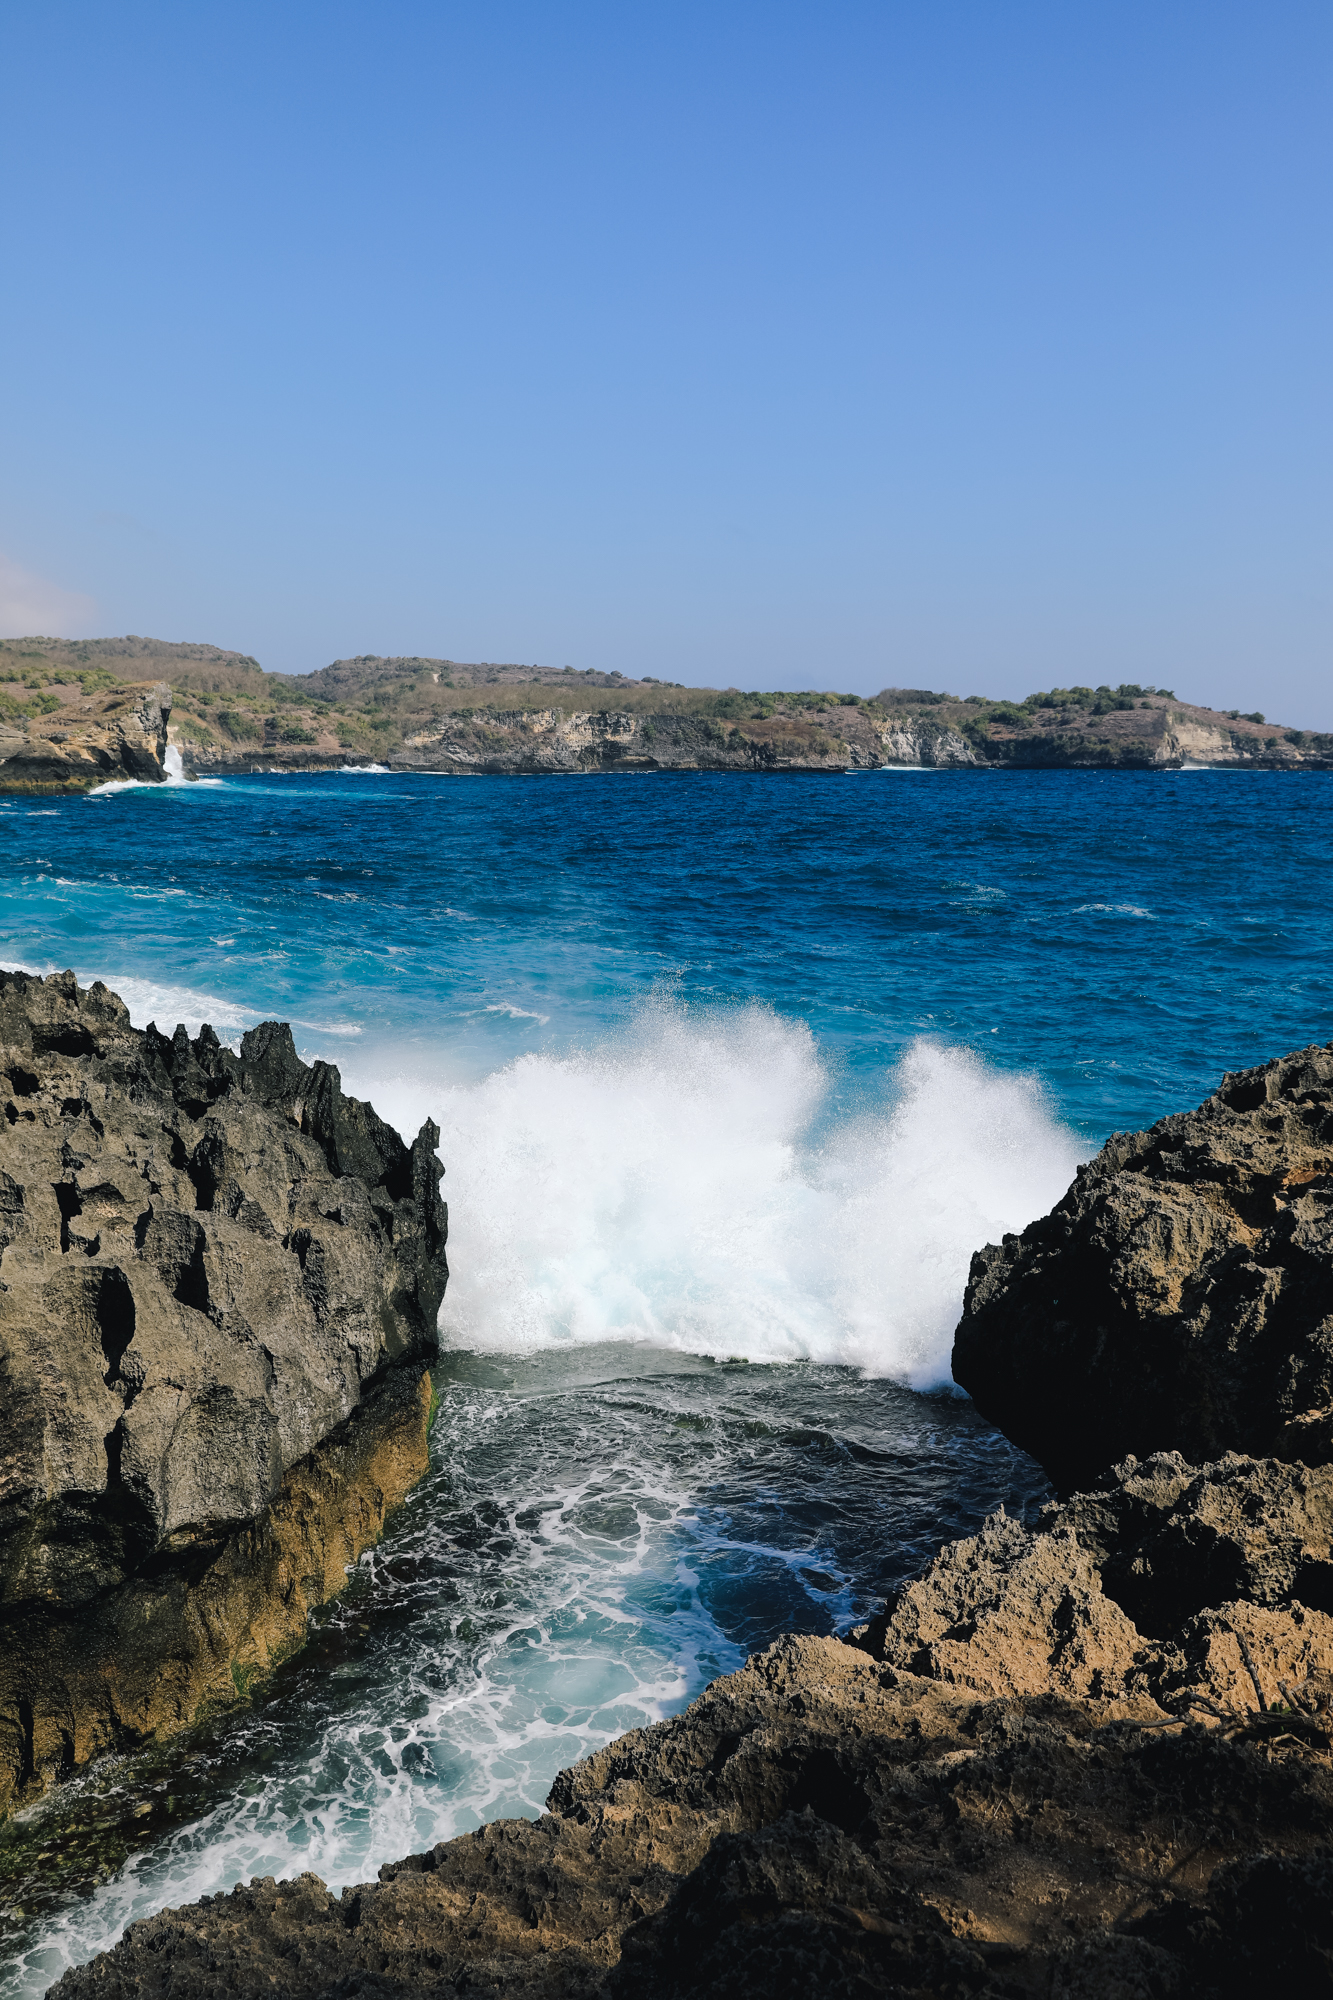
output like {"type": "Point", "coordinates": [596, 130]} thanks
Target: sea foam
{"type": "Point", "coordinates": [704, 1180]}
{"type": "Point", "coordinates": [696, 1182]}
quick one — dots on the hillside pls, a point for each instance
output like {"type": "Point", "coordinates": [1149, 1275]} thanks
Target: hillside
{"type": "Point", "coordinates": [483, 717]}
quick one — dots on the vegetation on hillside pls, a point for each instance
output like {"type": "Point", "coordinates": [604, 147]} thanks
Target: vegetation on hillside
{"type": "Point", "coordinates": [368, 707]}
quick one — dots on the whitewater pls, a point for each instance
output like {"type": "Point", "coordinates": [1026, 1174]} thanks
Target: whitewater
{"type": "Point", "coordinates": [732, 1075]}
{"type": "Point", "coordinates": [688, 1185]}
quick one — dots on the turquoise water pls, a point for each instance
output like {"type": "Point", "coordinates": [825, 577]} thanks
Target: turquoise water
{"type": "Point", "coordinates": [733, 1074]}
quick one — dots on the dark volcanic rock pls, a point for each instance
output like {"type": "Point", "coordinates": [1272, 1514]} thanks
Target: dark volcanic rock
{"type": "Point", "coordinates": [1005, 1788]}
{"type": "Point", "coordinates": [219, 1279]}
{"type": "Point", "coordinates": [1088, 1757]}
{"type": "Point", "coordinates": [1179, 1297]}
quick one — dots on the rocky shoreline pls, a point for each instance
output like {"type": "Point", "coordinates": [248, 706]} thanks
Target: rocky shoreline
{"type": "Point", "coordinates": [87, 739]}
{"type": "Point", "coordinates": [219, 1283]}
{"type": "Point", "coordinates": [1005, 1789]}
{"type": "Point", "coordinates": [450, 718]}
{"type": "Point", "coordinates": [535, 741]}
{"type": "Point", "coordinates": [1085, 1757]}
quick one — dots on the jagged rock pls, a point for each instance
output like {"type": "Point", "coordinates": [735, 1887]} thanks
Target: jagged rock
{"type": "Point", "coordinates": [818, 1823]}
{"type": "Point", "coordinates": [219, 1281]}
{"type": "Point", "coordinates": [1179, 1296]}
{"type": "Point", "coordinates": [92, 740]}
{"type": "Point", "coordinates": [1087, 1758]}
{"type": "Point", "coordinates": [1008, 1612]}
{"type": "Point", "coordinates": [1005, 1787]}
{"type": "Point", "coordinates": [1173, 1538]}
{"type": "Point", "coordinates": [1174, 1581]}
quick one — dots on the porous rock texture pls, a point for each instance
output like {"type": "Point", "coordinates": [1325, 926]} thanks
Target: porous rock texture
{"type": "Point", "coordinates": [1086, 1758]}
{"type": "Point", "coordinates": [1179, 1296]}
{"type": "Point", "coordinates": [92, 740]}
{"type": "Point", "coordinates": [1082, 1758]}
{"type": "Point", "coordinates": [219, 1281]}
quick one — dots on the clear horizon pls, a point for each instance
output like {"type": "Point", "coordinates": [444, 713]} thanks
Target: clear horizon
{"type": "Point", "coordinates": [956, 348]}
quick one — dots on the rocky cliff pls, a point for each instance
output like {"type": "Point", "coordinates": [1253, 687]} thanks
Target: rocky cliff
{"type": "Point", "coordinates": [219, 1280]}
{"type": "Point", "coordinates": [1179, 1296]}
{"type": "Point", "coordinates": [711, 731]}
{"type": "Point", "coordinates": [1086, 1757]}
{"type": "Point", "coordinates": [483, 718]}
{"type": "Point", "coordinates": [723, 732]}
{"type": "Point", "coordinates": [85, 739]}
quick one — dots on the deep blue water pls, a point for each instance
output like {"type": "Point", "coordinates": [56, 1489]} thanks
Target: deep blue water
{"type": "Point", "coordinates": [733, 1074]}
{"type": "Point", "coordinates": [1127, 935]}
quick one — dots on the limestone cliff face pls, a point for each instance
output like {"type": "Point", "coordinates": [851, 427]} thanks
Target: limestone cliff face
{"type": "Point", "coordinates": [537, 741]}
{"type": "Point", "coordinates": [904, 743]}
{"type": "Point", "coordinates": [852, 736]}
{"type": "Point", "coordinates": [218, 1288]}
{"type": "Point", "coordinates": [92, 740]}
{"type": "Point", "coordinates": [1179, 1296]}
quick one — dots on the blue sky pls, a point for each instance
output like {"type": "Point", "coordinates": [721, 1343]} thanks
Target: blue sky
{"type": "Point", "coordinates": [978, 346]}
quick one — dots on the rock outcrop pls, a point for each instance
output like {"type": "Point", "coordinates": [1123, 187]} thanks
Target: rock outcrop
{"type": "Point", "coordinates": [92, 740]}
{"type": "Point", "coordinates": [1177, 1586]}
{"type": "Point", "coordinates": [1088, 1757]}
{"type": "Point", "coordinates": [1179, 1296]}
{"type": "Point", "coordinates": [219, 1280]}
{"type": "Point", "coordinates": [1008, 1786]}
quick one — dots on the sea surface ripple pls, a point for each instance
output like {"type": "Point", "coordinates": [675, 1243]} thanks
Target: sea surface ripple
{"type": "Point", "coordinates": [733, 1074]}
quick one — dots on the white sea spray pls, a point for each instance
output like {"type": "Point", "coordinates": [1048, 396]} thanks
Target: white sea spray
{"type": "Point", "coordinates": [691, 1182]}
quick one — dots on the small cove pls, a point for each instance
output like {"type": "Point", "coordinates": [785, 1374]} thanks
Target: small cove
{"type": "Point", "coordinates": [732, 1074]}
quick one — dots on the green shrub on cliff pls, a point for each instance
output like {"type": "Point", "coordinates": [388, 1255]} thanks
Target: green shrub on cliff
{"type": "Point", "coordinates": [243, 727]}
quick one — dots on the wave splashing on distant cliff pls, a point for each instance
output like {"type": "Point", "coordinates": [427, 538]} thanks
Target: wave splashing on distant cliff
{"type": "Point", "coordinates": [697, 1183]}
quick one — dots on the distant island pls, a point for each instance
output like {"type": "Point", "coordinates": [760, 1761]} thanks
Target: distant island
{"type": "Point", "coordinates": [60, 698]}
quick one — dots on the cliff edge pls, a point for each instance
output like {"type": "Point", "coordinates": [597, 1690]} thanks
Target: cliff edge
{"type": "Point", "coordinates": [219, 1280]}
{"type": "Point", "coordinates": [70, 744]}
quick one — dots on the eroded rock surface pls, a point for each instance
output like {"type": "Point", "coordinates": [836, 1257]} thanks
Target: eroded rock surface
{"type": "Point", "coordinates": [1176, 1585]}
{"type": "Point", "coordinates": [1180, 1295]}
{"type": "Point", "coordinates": [1085, 1758]}
{"type": "Point", "coordinates": [1006, 1787]}
{"type": "Point", "coordinates": [92, 740]}
{"type": "Point", "coordinates": [219, 1280]}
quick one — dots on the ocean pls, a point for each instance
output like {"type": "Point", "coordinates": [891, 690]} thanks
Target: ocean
{"type": "Point", "coordinates": [733, 1074]}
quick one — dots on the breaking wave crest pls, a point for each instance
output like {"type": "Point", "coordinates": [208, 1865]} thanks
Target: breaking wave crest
{"type": "Point", "coordinates": [695, 1184]}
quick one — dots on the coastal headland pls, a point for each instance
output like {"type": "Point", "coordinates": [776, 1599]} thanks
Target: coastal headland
{"type": "Point", "coordinates": [1086, 1755]}
{"type": "Point", "coordinates": [219, 1280]}
{"type": "Point", "coordinates": [454, 718]}
{"type": "Point", "coordinates": [80, 730]}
